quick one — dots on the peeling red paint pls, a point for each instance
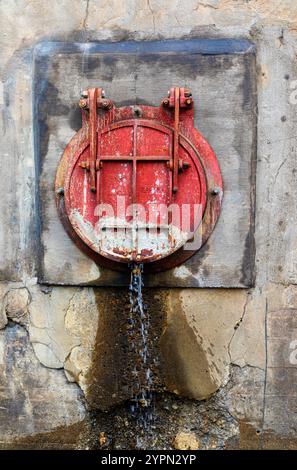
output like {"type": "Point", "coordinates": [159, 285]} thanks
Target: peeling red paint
{"type": "Point", "coordinates": [145, 156]}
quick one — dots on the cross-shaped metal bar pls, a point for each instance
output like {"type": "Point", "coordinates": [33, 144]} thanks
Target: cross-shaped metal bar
{"type": "Point", "coordinates": [178, 97]}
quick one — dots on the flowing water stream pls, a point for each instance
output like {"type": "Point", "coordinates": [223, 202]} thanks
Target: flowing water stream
{"type": "Point", "coordinates": [142, 404]}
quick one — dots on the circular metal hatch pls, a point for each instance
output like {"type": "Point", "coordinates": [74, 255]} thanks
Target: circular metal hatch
{"type": "Point", "coordinates": [139, 183]}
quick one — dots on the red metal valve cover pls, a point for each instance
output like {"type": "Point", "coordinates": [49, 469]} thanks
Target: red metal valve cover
{"type": "Point", "coordinates": [139, 183]}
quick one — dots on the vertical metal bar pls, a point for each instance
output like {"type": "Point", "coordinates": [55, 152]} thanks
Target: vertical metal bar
{"type": "Point", "coordinates": [98, 185]}
{"type": "Point", "coordinates": [98, 164]}
{"type": "Point", "coordinates": [92, 94]}
{"type": "Point", "coordinates": [176, 139]}
{"type": "Point", "coordinates": [134, 193]}
{"type": "Point", "coordinates": [134, 175]}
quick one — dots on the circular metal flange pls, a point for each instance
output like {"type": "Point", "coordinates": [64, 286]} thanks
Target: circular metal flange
{"type": "Point", "coordinates": [135, 170]}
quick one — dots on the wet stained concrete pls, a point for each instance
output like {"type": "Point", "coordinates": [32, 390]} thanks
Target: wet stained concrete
{"type": "Point", "coordinates": [119, 430]}
{"type": "Point", "coordinates": [211, 424]}
{"type": "Point", "coordinates": [111, 380]}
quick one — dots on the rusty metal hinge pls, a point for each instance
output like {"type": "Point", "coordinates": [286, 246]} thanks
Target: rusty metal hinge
{"type": "Point", "coordinates": [177, 98]}
{"type": "Point", "coordinates": [92, 99]}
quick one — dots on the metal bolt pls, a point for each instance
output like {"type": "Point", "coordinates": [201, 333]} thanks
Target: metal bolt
{"type": "Point", "coordinates": [84, 94]}
{"type": "Point", "coordinates": [165, 102]}
{"type": "Point", "coordinates": [215, 191]}
{"type": "Point", "coordinates": [60, 191]}
{"type": "Point", "coordinates": [105, 104]}
{"type": "Point", "coordinates": [83, 103]}
{"type": "Point", "coordinates": [103, 93]}
{"type": "Point", "coordinates": [188, 101]}
{"type": "Point", "coordinates": [84, 165]}
{"type": "Point", "coordinates": [137, 111]}
{"type": "Point", "coordinates": [183, 165]}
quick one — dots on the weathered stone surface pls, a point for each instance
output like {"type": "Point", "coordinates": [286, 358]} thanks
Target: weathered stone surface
{"type": "Point", "coordinates": [244, 395]}
{"type": "Point", "coordinates": [81, 322]}
{"type": "Point", "coordinates": [17, 301]}
{"type": "Point", "coordinates": [256, 407]}
{"type": "Point", "coordinates": [63, 326]}
{"type": "Point", "coordinates": [276, 173]}
{"type": "Point", "coordinates": [195, 342]}
{"type": "Point", "coordinates": [48, 335]}
{"type": "Point", "coordinates": [247, 346]}
{"type": "Point", "coordinates": [14, 301]}
{"type": "Point", "coordinates": [281, 370]}
{"type": "Point", "coordinates": [3, 317]}
{"type": "Point", "coordinates": [37, 398]}
{"type": "Point", "coordinates": [280, 297]}
{"type": "Point", "coordinates": [186, 441]}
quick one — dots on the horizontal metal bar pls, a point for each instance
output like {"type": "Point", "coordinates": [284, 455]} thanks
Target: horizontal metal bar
{"type": "Point", "coordinates": [137, 157]}
{"type": "Point", "coordinates": [133, 227]}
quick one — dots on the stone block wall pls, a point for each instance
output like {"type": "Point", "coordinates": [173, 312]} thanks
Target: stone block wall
{"type": "Point", "coordinates": [226, 357]}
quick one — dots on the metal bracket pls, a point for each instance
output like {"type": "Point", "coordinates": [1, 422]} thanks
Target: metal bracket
{"type": "Point", "coordinates": [177, 98]}
{"type": "Point", "coordinates": [92, 99]}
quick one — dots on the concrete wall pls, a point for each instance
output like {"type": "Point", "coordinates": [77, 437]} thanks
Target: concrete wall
{"type": "Point", "coordinates": [235, 347]}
